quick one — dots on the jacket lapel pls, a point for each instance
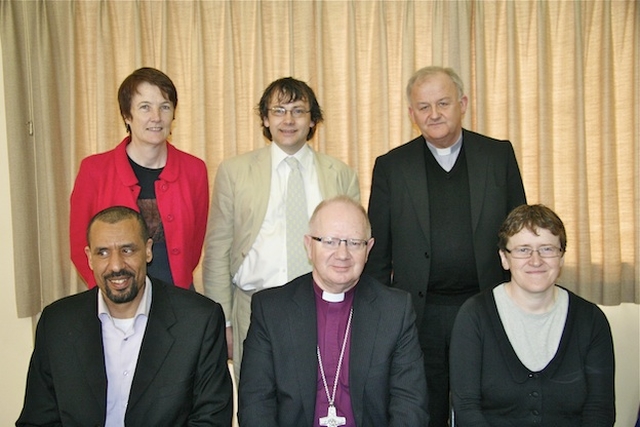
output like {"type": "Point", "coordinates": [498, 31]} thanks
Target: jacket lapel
{"type": "Point", "coordinates": [90, 352]}
{"type": "Point", "coordinates": [327, 176]}
{"type": "Point", "coordinates": [363, 340]}
{"type": "Point", "coordinates": [414, 171]}
{"type": "Point", "coordinates": [259, 177]}
{"type": "Point", "coordinates": [303, 319]}
{"type": "Point", "coordinates": [156, 343]}
{"type": "Point", "coordinates": [477, 166]}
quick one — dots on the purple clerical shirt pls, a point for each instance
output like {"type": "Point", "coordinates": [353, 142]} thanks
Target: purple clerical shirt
{"type": "Point", "coordinates": [331, 327]}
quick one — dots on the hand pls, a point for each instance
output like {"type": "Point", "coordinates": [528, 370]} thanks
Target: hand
{"type": "Point", "coordinates": [229, 334]}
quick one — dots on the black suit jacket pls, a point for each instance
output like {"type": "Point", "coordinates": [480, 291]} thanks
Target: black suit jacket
{"type": "Point", "coordinates": [280, 367]}
{"type": "Point", "coordinates": [399, 212]}
{"type": "Point", "coordinates": [181, 378]}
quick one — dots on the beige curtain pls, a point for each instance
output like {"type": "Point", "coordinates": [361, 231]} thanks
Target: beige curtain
{"type": "Point", "coordinates": [560, 79]}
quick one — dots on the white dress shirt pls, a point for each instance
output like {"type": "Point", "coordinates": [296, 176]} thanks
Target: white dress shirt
{"type": "Point", "coordinates": [265, 265]}
{"type": "Point", "coordinates": [121, 340]}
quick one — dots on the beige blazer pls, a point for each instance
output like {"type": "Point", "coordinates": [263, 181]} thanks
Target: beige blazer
{"type": "Point", "coordinates": [239, 205]}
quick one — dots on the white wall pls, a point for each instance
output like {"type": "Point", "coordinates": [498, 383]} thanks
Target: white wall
{"type": "Point", "coordinates": [16, 342]}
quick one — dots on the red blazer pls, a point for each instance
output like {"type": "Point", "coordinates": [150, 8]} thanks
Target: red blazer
{"type": "Point", "coordinates": [182, 193]}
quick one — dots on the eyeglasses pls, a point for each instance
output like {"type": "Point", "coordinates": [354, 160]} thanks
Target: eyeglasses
{"type": "Point", "coordinates": [524, 252]}
{"type": "Point", "coordinates": [296, 112]}
{"type": "Point", "coordinates": [334, 243]}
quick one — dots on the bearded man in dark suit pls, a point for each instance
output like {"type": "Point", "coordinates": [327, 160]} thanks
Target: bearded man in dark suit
{"type": "Point", "coordinates": [132, 351]}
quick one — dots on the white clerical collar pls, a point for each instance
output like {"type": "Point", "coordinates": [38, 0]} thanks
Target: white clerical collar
{"type": "Point", "coordinates": [443, 151]}
{"type": "Point", "coordinates": [454, 149]}
{"type": "Point", "coordinates": [329, 297]}
{"type": "Point", "coordinates": [446, 157]}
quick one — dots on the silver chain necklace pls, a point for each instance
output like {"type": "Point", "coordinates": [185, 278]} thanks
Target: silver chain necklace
{"type": "Point", "coordinates": [332, 419]}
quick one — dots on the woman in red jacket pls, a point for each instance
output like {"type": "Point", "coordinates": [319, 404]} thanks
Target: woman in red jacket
{"type": "Point", "coordinates": [145, 172]}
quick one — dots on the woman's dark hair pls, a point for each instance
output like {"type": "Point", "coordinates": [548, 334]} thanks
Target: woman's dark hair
{"type": "Point", "coordinates": [149, 75]}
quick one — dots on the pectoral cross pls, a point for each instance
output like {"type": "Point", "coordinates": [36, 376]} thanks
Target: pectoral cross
{"type": "Point", "coordinates": [332, 419]}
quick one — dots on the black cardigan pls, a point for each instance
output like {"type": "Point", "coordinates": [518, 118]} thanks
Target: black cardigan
{"type": "Point", "coordinates": [491, 387]}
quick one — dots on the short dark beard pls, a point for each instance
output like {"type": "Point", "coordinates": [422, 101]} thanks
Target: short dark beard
{"type": "Point", "coordinates": [121, 298]}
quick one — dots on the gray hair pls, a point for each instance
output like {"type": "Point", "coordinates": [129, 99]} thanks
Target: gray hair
{"type": "Point", "coordinates": [425, 72]}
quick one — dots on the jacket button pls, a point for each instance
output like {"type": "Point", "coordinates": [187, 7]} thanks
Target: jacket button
{"type": "Point", "coordinates": [426, 255]}
{"type": "Point", "coordinates": [421, 294]}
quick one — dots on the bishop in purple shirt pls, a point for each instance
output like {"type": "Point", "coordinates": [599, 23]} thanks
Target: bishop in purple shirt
{"type": "Point", "coordinates": [332, 347]}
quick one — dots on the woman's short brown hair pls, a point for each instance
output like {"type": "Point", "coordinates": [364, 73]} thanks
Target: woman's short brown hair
{"type": "Point", "coordinates": [533, 218]}
{"type": "Point", "coordinates": [149, 75]}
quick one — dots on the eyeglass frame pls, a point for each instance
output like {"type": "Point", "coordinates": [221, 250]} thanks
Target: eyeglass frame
{"type": "Point", "coordinates": [350, 244]}
{"type": "Point", "coordinates": [557, 253]}
{"type": "Point", "coordinates": [296, 112]}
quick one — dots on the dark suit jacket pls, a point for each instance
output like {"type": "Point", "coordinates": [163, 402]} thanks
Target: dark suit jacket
{"type": "Point", "coordinates": [181, 379]}
{"type": "Point", "coordinates": [399, 212]}
{"type": "Point", "coordinates": [280, 367]}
